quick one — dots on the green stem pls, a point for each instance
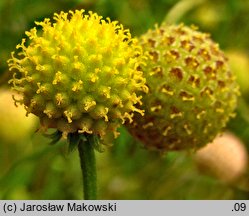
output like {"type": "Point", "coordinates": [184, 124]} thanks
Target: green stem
{"type": "Point", "coordinates": [180, 9]}
{"type": "Point", "coordinates": [88, 167]}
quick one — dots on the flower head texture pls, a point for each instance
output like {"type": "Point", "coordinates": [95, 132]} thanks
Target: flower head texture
{"type": "Point", "coordinates": [79, 73]}
{"type": "Point", "coordinates": [192, 92]}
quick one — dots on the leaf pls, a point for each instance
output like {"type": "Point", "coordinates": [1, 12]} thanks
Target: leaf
{"type": "Point", "coordinates": [74, 140]}
{"type": "Point", "coordinates": [55, 137]}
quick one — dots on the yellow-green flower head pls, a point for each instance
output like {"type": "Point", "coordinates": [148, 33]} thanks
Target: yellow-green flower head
{"type": "Point", "coordinates": [192, 92]}
{"type": "Point", "coordinates": [79, 73]}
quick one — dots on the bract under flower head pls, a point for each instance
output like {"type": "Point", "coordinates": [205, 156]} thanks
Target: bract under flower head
{"type": "Point", "coordinates": [79, 73]}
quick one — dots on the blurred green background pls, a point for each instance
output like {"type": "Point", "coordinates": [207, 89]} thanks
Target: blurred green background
{"type": "Point", "coordinates": [32, 169]}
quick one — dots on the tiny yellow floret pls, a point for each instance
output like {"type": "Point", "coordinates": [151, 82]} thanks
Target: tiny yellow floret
{"type": "Point", "coordinates": [77, 72]}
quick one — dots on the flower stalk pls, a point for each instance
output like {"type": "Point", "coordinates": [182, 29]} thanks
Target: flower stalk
{"type": "Point", "coordinates": [88, 167]}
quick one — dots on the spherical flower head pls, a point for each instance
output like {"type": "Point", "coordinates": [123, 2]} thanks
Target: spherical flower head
{"type": "Point", "coordinates": [79, 73]}
{"type": "Point", "coordinates": [192, 92]}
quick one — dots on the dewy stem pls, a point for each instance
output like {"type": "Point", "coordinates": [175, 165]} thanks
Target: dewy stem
{"type": "Point", "coordinates": [88, 167]}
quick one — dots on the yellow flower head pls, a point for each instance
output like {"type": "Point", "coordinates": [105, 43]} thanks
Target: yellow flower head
{"type": "Point", "coordinates": [79, 73]}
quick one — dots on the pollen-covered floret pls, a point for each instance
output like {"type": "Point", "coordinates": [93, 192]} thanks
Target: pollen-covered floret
{"type": "Point", "coordinates": [79, 73]}
{"type": "Point", "coordinates": [192, 92]}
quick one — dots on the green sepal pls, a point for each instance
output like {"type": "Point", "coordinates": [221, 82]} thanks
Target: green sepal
{"type": "Point", "coordinates": [55, 137]}
{"type": "Point", "coordinates": [74, 140]}
{"type": "Point", "coordinates": [94, 139]}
